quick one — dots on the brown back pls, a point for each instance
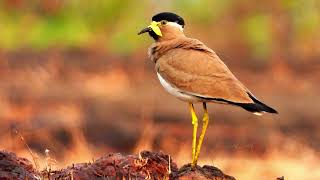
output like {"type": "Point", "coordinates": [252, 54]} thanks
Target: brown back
{"type": "Point", "coordinates": [190, 66]}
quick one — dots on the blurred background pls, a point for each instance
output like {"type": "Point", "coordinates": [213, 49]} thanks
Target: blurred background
{"type": "Point", "coordinates": [75, 79]}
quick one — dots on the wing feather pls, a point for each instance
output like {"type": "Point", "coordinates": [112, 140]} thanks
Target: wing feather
{"type": "Point", "coordinates": [199, 72]}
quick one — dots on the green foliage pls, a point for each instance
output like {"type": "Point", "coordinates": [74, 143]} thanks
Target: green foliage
{"type": "Point", "coordinates": [124, 37]}
{"type": "Point", "coordinates": [305, 16]}
{"type": "Point", "coordinates": [204, 11]}
{"type": "Point", "coordinates": [55, 31]}
{"type": "Point", "coordinates": [256, 29]}
{"type": "Point", "coordinates": [114, 23]}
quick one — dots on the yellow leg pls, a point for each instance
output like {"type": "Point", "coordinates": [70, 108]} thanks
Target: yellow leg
{"type": "Point", "coordinates": [194, 134]}
{"type": "Point", "coordinates": [203, 131]}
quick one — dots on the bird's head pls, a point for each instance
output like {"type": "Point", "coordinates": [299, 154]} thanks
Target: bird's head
{"type": "Point", "coordinates": [165, 26]}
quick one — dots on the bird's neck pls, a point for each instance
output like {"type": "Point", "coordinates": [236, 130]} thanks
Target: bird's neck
{"type": "Point", "coordinates": [168, 35]}
{"type": "Point", "coordinates": [159, 48]}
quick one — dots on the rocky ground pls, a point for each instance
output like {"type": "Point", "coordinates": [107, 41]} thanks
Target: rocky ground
{"type": "Point", "coordinates": [146, 165]}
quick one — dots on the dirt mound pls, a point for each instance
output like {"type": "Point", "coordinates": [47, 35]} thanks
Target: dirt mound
{"type": "Point", "coordinates": [13, 167]}
{"type": "Point", "coordinates": [200, 173]}
{"type": "Point", "coordinates": [146, 165]}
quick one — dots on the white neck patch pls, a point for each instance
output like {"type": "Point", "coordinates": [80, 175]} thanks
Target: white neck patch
{"type": "Point", "coordinates": [173, 24]}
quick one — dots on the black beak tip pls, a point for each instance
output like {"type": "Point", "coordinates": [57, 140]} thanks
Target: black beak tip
{"type": "Point", "coordinates": [148, 29]}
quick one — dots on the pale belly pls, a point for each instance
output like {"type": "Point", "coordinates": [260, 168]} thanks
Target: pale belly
{"type": "Point", "coordinates": [176, 92]}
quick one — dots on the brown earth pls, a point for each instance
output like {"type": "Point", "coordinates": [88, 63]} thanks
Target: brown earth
{"type": "Point", "coordinates": [13, 167]}
{"type": "Point", "coordinates": [146, 165]}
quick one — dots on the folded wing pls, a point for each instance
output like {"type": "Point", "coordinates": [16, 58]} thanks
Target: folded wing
{"type": "Point", "coordinates": [200, 72]}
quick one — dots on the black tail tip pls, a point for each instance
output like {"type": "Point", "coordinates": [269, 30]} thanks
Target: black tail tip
{"type": "Point", "coordinates": [271, 110]}
{"type": "Point", "coordinates": [258, 106]}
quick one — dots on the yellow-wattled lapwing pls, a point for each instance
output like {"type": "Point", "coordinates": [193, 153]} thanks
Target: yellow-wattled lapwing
{"type": "Point", "coordinates": [192, 72]}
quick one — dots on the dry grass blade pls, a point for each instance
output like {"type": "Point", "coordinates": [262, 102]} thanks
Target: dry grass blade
{"type": "Point", "coordinates": [33, 155]}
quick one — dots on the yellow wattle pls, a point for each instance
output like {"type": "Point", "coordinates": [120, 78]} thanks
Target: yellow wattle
{"type": "Point", "coordinates": [155, 28]}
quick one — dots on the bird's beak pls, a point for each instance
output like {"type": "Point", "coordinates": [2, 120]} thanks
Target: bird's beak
{"type": "Point", "coordinates": [147, 29]}
{"type": "Point", "coordinates": [154, 26]}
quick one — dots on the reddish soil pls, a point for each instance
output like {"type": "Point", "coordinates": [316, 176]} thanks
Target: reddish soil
{"type": "Point", "coordinates": [13, 167]}
{"type": "Point", "coordinates": [147, 165]}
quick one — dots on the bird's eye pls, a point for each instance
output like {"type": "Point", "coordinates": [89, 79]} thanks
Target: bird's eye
{"type": "Point", "coordinates": [164, 22]}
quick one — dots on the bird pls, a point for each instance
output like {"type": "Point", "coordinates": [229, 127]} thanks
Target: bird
{"type": "Point", "coordinates": [194, 73]}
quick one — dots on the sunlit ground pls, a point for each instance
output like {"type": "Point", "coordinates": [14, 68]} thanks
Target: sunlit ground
{"type": "Point", "coordinates": [293, 160]}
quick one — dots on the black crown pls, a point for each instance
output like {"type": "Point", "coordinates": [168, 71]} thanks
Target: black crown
{"type": "Point", "coordinates": [168, 16]}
